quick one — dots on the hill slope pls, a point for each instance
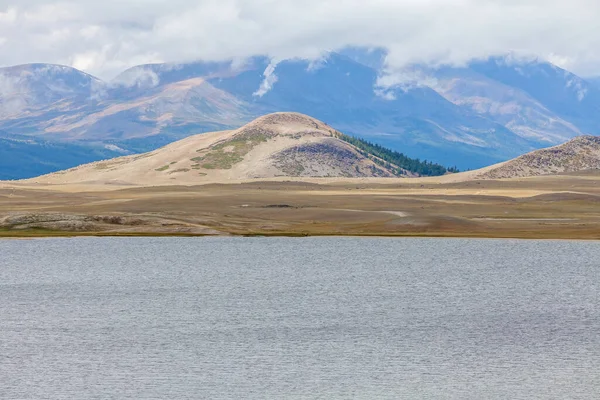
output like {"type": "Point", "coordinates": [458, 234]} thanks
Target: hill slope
{"type": "Point", "coordinates": [276, 145]}
{"type": "Point", "coordinates": [579, 154]}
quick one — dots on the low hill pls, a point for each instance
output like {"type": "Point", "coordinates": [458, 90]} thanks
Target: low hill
{"type": "Point", "coordinates": [276, 145]}
{"type": "Point", "coordinates": [579, 154]}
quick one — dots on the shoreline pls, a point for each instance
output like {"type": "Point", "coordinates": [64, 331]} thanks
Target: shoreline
{"type": "Point", "coordinates": [72, 235]}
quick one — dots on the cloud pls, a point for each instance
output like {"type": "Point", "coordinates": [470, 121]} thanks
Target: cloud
{"type": "Point", "coordinates": [106, 37]}
{"type": "Point", "coordinates": [9, 16]}
{"type": "Point", "coordinates": [404, 78]}
{"type": "Point", "coordinates": [140, 77]}
{"type": "Point", "coordinates": [13, 99]}
{"type": "Point", "coordinates": [269, 81]}
{"type": "Point", "coordinates": [318, 63]}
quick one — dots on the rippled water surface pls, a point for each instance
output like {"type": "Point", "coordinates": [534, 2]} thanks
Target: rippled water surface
{"type": "Point", "coordinates": [283, 318]}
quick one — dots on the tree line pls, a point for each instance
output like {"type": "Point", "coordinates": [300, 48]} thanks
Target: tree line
{"type": "Point", "coordinates": [414, 165]}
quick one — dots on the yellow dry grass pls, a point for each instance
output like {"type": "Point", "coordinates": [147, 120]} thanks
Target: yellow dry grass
{"type": "Point", "coordinates": [565, 207]}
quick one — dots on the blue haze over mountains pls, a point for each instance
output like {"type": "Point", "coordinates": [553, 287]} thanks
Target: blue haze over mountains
{"type": "Point", "coordinates": [54, 117]}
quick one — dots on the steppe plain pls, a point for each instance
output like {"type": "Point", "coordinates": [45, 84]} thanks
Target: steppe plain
{"type": "Point", "coordinates": [558, 206]}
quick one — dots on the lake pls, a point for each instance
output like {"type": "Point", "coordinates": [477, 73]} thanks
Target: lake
{"type": "Point", "coordinates": [285, 318]}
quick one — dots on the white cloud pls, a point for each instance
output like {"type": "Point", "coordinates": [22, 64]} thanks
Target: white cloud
{"type": "Point", "coordinates": [403, 79]}
{"type": "Point", "coordinates": [8, 16]}
{"type": "Point", "coordinates": [318, 62]}
{"type": "Point", "coordinates": [269, 81]}
{"type": "Point", "coordinates": [577, 85]}
{"type": "Point", "coordinates": [105, 37]}
{"type": "Point", "coordinates": [14, 98]}
{"type": "Point", "coordinates": [137, 77]}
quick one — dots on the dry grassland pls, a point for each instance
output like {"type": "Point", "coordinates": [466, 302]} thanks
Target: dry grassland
{"type": "Point", "coordinates": [561, 207]}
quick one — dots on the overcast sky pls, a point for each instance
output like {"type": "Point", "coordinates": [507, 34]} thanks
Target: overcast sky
{"type": "Point", "coordinates": [103, 37]}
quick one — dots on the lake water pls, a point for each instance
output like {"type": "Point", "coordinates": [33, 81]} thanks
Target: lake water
{"type": "Point", "coordinates": [281, 318]}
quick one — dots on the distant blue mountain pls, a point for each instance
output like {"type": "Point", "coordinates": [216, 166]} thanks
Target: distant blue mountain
{"type": "Point", "coordinates": [419, 121]}
{"type": "Point", "coordinates": [594, 81]}
{"type": "Point", "coordinates": [371, 57]}
{"type": "Point", "coordinates": [142, 75]}
{"type": "Point", "coordinates": [26, 157]}
{"type": "Point", "coordinates": [565, 94]}
{"type": "Point", "coordinates": [469, 117]}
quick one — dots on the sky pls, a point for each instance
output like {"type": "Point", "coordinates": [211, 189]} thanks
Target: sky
{"type": "Point", "coordinates": [104, 37]}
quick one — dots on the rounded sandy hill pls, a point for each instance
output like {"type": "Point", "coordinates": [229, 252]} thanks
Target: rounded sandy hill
{"type": "Point", "coordinates": [275, 145]}
{"type": "Point", "coordinates": [578, 155]}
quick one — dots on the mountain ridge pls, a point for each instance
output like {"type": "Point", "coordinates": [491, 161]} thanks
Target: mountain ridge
{"type": "Point", "coordinates": [484, 113]}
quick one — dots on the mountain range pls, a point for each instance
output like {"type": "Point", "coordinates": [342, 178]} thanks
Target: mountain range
{"type": "Point", "coordinates": [55, 117]}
